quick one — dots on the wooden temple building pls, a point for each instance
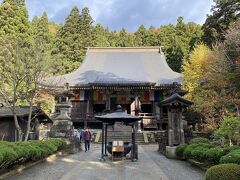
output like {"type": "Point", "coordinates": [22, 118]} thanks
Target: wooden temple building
{"type": "Point", "coordinates": [138, 79]}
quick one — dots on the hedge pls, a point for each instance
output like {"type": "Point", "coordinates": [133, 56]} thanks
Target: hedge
{"type": "Point", "coordinates": [12, 153]}
{"type": "Point", "coordinates": [196, 151]}
{"type": "Point", "coordinates": [229, 149]}
{"type": "Point", "coordinates": [223, 172]}
{"type": "Point", "coordinates": [199, 141]}
{"type": "Point", "coordinates": [213, 155]}
{"type": "Point", "coordinates": [180, 149]}
{"type": "Point", "coordinates": [232, 157]}
{"type": "Point", "coordinates": [209, 155]}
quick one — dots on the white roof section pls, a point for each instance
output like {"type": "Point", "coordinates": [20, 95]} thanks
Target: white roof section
{"type": "Point", "coordinates": [122, 66]}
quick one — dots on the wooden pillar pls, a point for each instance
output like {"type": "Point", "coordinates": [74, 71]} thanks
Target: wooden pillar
{"type": "Point", "coordinates": [102, 155]}
{"type": "Point", "coordinates": [106, 140]}
{"type": "Point", "coordinates": [137, 109]}
{"type": "Point", "coordinates": [134, 155]}
{"type": "Point", "coordinates": [170, 130]}
{"type": "Point", "coordinates": [108, 105]}
{"type": "Point", "coordinates": [85, 119]}
{"type": "Point", "coordinates": [182, 139]}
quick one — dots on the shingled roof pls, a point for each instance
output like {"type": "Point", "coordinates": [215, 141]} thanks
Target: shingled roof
{"type": "Point", "coordinates": [23, 111]}
{"type": "Point", "coordinates": [131, 66]}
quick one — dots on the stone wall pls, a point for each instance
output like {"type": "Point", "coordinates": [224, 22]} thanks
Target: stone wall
{"type": "Point", "coordinates": [201, 134]}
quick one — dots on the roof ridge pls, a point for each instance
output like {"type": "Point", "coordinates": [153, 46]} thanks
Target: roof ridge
{"type": "Point", "coordinates": [140, 47]}
{"type": "Point", "coordinates": [126, 49]}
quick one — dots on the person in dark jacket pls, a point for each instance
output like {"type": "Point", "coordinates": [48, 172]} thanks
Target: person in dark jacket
{"type": "Point", "coordinates": [87, 137]}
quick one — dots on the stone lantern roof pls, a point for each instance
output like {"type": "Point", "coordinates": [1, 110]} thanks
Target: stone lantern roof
{"type": "Point", "coordinates": [118, 116]}
{"type": "Point", "coordinates": [176, 100]}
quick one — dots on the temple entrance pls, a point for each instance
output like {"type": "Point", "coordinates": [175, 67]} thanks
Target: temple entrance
{"type": "Point", "coordinates": [114, 102]}
{"type": "Point", "coordinates": [99, 108]}
{"type": "Point", "coordinates": [146, 108]}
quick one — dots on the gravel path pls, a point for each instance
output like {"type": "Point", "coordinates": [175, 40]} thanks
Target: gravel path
{"type": "Point", "coordinates": [151, 165]}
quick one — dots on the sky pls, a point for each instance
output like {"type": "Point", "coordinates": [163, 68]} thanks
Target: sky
{"type": "Point", "coordinates": [129, 14]}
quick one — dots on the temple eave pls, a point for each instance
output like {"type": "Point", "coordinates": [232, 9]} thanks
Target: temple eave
{"type": "Point", "coordinates": [125, 87]}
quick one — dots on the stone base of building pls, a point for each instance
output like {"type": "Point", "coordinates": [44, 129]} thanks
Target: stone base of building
{"type": "Point", "coordinates": [171, 152]}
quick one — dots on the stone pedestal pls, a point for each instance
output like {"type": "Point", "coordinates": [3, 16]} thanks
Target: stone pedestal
{"type": "Point", "coordinates": [171, 152]}
{"type": "Point", "coordinates": [63, 128]}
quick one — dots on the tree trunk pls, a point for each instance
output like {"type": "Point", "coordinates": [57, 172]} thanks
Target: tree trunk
{"type": "Point", "coordinates": [29, 122]}
{"type": "Point", "coordinates": [237, 109]}
{"type": "Point", "coordinates": [230, 142]}
{"type": "Point", "coordinates": [18, 128]}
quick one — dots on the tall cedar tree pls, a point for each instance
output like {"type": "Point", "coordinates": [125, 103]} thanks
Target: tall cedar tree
{"type": "Point", "coordinates": [100, 36]}
{"type": "Point", "coordinates": [40, 28]}
{"type": "Point", "coordinates": [15, 40]}
{"type": "Point", "coordinates": [86, 28]}
{"type": "Point", "coordinates": [69, 43]}
{"type": "Point", "coordinates": [223, 13]}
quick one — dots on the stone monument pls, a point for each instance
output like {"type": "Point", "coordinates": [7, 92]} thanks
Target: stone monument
{"type": "Point", "coordinates": [175, 103]}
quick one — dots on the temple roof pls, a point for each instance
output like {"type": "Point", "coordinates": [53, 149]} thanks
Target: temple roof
{"type": "Point", "coordinates": [23, 111]}
{"type": "Point", "coordinates": [133, 66]}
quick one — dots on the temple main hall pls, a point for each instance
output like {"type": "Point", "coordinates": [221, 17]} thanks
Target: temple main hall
{"type": "Point", "coordinates": [138, 79]}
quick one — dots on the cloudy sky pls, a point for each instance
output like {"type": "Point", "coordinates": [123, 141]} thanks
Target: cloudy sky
{"type": "Point", "coordinates": [129, 14]}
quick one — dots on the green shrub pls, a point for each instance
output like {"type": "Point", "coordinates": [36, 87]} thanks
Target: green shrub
{"type": "Point", "coordinates": [213, 155]}
{"type": "Point", "coordinates": [229, 129]}
{"type": "Point", "coordinates": [13, 153]}
{"type": "Point", "coordinates": [190, 148]}
{"type": "Point", "coordinates": [199, 140]}
{"type": "Point", "coordinates": [9, 156]}
{"type": "Point", "coordinates": [22, 151]}
{"type": "Point", "coordinates": [34, 151]}
{"type": "Point", "coordinates": [198, 153]}
{"type": "Point", "coordinates": [232, 157]}
{"type": "Point", "coordinates": [59, 143]}
{"type": "Point", "coordinates": [1, 157]}
{"type": "Point", "coordinates": [223, 172]}
{"type": "Point", "coordinates": [180, 149]}
{"type": "Point", "coordinates": [228, 149]}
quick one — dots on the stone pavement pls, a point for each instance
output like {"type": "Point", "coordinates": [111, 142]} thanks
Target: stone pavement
{"type": "Point", "coordinates": [151, 165]}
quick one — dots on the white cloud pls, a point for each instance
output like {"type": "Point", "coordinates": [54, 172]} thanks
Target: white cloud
{"type": "Point", "coordinates": [129, 14]}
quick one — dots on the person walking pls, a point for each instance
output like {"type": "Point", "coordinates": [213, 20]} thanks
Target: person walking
{"type": "Point", "coordinates": [87, 137]}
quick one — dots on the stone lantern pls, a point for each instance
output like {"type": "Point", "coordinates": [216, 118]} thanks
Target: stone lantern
{"type": "Point", "coordinates": [63, 126]}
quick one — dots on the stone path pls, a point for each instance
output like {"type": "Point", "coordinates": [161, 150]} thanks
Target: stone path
{"type": "Point", "coordinates": [151, 165]}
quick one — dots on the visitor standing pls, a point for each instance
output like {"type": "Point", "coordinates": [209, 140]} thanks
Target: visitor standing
{"type": "Point", "coordinates": [81, 131]}
{"type": "Point", "coordinates": [87, 136]}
